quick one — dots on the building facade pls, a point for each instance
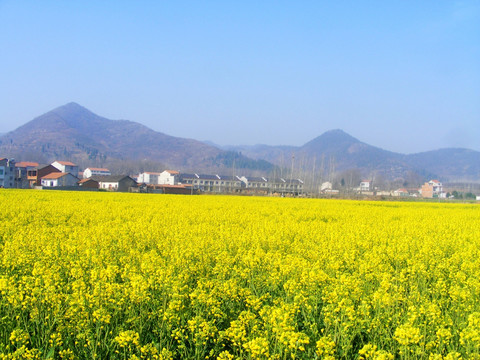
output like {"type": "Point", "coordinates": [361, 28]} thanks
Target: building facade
{"type": "Point", "coordinates": [66, 167]}
{"type": "Point", "coordinates": [7, 173]}
{"type": "Point", "coordinates": [89, 172]}
{"type": "Point", "coordinates": [169, 177]}
{"type": "Point", "coordinates": [432, 189]}
{"type": "Point", "coordinates": [149, 178]}
{"type": "Point", "coordinates": [121, 183]}
{"type": "Point", "coordinates": [213, 183]}
{"type": "Point", "coordinates": [59, 179]}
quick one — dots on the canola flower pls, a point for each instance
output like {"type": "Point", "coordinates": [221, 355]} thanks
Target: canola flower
{"type": "Point", "coordinates": [137, 276]}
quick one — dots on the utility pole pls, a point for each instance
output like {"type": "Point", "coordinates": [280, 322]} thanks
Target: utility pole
{"type": "Point", "coordinates": [291, 172]}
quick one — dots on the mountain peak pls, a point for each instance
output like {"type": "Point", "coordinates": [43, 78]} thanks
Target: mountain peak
{"type": "Point", "coordinates": [331, 139]}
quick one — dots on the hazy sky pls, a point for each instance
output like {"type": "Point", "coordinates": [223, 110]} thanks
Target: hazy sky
{"type": "Point", "coordinates": [401, 75]}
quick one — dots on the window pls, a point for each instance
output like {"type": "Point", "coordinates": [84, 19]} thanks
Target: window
{"type": "Point", "coordinates": [1, 171]}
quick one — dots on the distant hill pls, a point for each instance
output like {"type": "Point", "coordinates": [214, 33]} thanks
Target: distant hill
{"type": "Point", "coordinates": [74, 133]}
{"type": "Point", "coordinates": [338, 151]}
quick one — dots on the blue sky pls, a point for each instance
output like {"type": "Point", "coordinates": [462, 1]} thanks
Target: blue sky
{"type": "Point", "coordinates": [401, 75]}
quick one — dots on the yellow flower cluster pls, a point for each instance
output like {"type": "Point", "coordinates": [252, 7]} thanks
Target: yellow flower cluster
{"type": "Point", "coordinates": [139, 276]}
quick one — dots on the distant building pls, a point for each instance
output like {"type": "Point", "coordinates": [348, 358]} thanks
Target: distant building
{"type": "Point", "coordinates": [89, 172]}
{"type": "Point", "coordinates": [326, 186]}
{"type": "Point", "coordinates": [26, 174]}
{"type": "Point", "coordinates": [212, 183]}
{"type": "Point", "coordinates": [149, 178]}
{"type": "Point", "coordinates": [59, 179]}
{"type": "Point", "coordinates": [272, 185]}
{"type": "Point", "coordinates": [287, 186]}
{"type": "Point", "coordinates": [43, 170]}
{"type": "Point", "coordinates": [7, 173]}
{"type": "Point", "coordinates": [401, 192]}
{"type": "Point", "coordinates": [431, 189]}
{"type": "Point", "coordinates": [66, 167]}
{"type": "Point", "coordinates": [88, 183]}
{"type": "Point", "coordinates": [365, 185]}
{"type": "Point", "coordinates": [169, 177]}
{"type": "Point", "coordinates": [121, 183]}
{"type": "Point", "coordinates": [256, 183]}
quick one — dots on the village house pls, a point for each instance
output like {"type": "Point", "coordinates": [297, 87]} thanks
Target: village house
{"type": "Point", "coordinates": [89, 172]}
{"type": "Point", "coordinates": [401, 192]}
{"type": "Point", "coordinates": [327, 188]}
{"type": "Point", "coordinates": [431, 189]}
{"type": "Point", "coordinates": [256, 185]}
{"type": "Point", "coordinates": [88, 183]}
{"type": "Point", "coordinates": [149, 178]}
{"type": "Point", "coordinates": [59, 179]}
{"type": "Point", "coordinates": [121, 183]}
{"type": "Point", "coordinates": [26, 174]}
{"type": "Point", "coordinates": [255, 182]}
{"type": "Point", "coordinates": [66, 167]}
{"type": "Point", "coordinates": [168, 177]}
{"type": "Point", "coordinates": [7, 173]}
{"type": "Point", "coordinates": [212, 183]}
{"type": "Point", "coordinates": [287, 186]}
{"type": "Point", "coordinates": [44, 170]}
{"type": "Point", "coordinates": [365, 185]}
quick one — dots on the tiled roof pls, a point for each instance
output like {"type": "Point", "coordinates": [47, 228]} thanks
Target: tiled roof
{"type": "Point", "coordinates": [256, 179]}
{"type": "Point", "coordinates": [26, 164]}
{"type": "Point", "coordinates": [85, 180]}
{"type": "Point", "coordinates": [172, 172]}
{"type": "Point", "coordinates": [55, 175]}
{"type": "Point", "coordinates": [66, 163]}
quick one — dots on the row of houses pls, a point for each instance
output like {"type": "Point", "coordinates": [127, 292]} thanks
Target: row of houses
{"type": "Point", "coordinates": [223, 183]}
{"type": "Point", "coordinates": [65, 174]}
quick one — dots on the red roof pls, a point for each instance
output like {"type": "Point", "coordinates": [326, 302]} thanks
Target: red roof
{"type": "Point", "coordinates": [85, 180]}
{"type": "Point", "coordinates": [173, 172]}
{"type": "Point", "coordinates": [55, 175]}
{"type": "Point", "coordinates": [66, 163]}
{"type": "Point", "coordinates": [26, 164]}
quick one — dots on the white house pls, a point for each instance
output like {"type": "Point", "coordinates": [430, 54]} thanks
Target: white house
{"type": "Point", "coordinates": [150, 178]}
{"type": "Point", "coordinates": [115, 182]}
{"type": "Point", "coordinates": [66, 167]}
{"type": "Point", "coordinates": [256, 182]}
{"type": "Point", "coordinates": [7, 173]}
{"type": "Point", "coordinates": [365, 185]}
{"type": "Point", "coordinates": [59, 179]}
{"type": "Point", "coordinates": [401, 192]}
{"type": "Point", "coordinates": [327, 185]}
{"type": "Point", "coordinates": [168, 177]}
{"type": "Point", "coordinates": [89, 172]}
{"type": "Point", "coordinates": [212, 183]}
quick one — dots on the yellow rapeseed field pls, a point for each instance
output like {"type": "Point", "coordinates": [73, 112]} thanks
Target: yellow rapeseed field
{"type": "Point", "coordinates": [136, 276]}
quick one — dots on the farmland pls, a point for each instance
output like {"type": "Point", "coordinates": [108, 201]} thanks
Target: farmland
{"type": "Point", "coordinates": [136, 276]}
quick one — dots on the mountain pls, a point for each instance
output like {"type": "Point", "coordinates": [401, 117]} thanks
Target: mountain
{"type": "Point", "coordinates": [453, 164]}
{"type": "Point", "coordinates": [72, 132]}
{"type": "Point", "coordinates": [336, 151]}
